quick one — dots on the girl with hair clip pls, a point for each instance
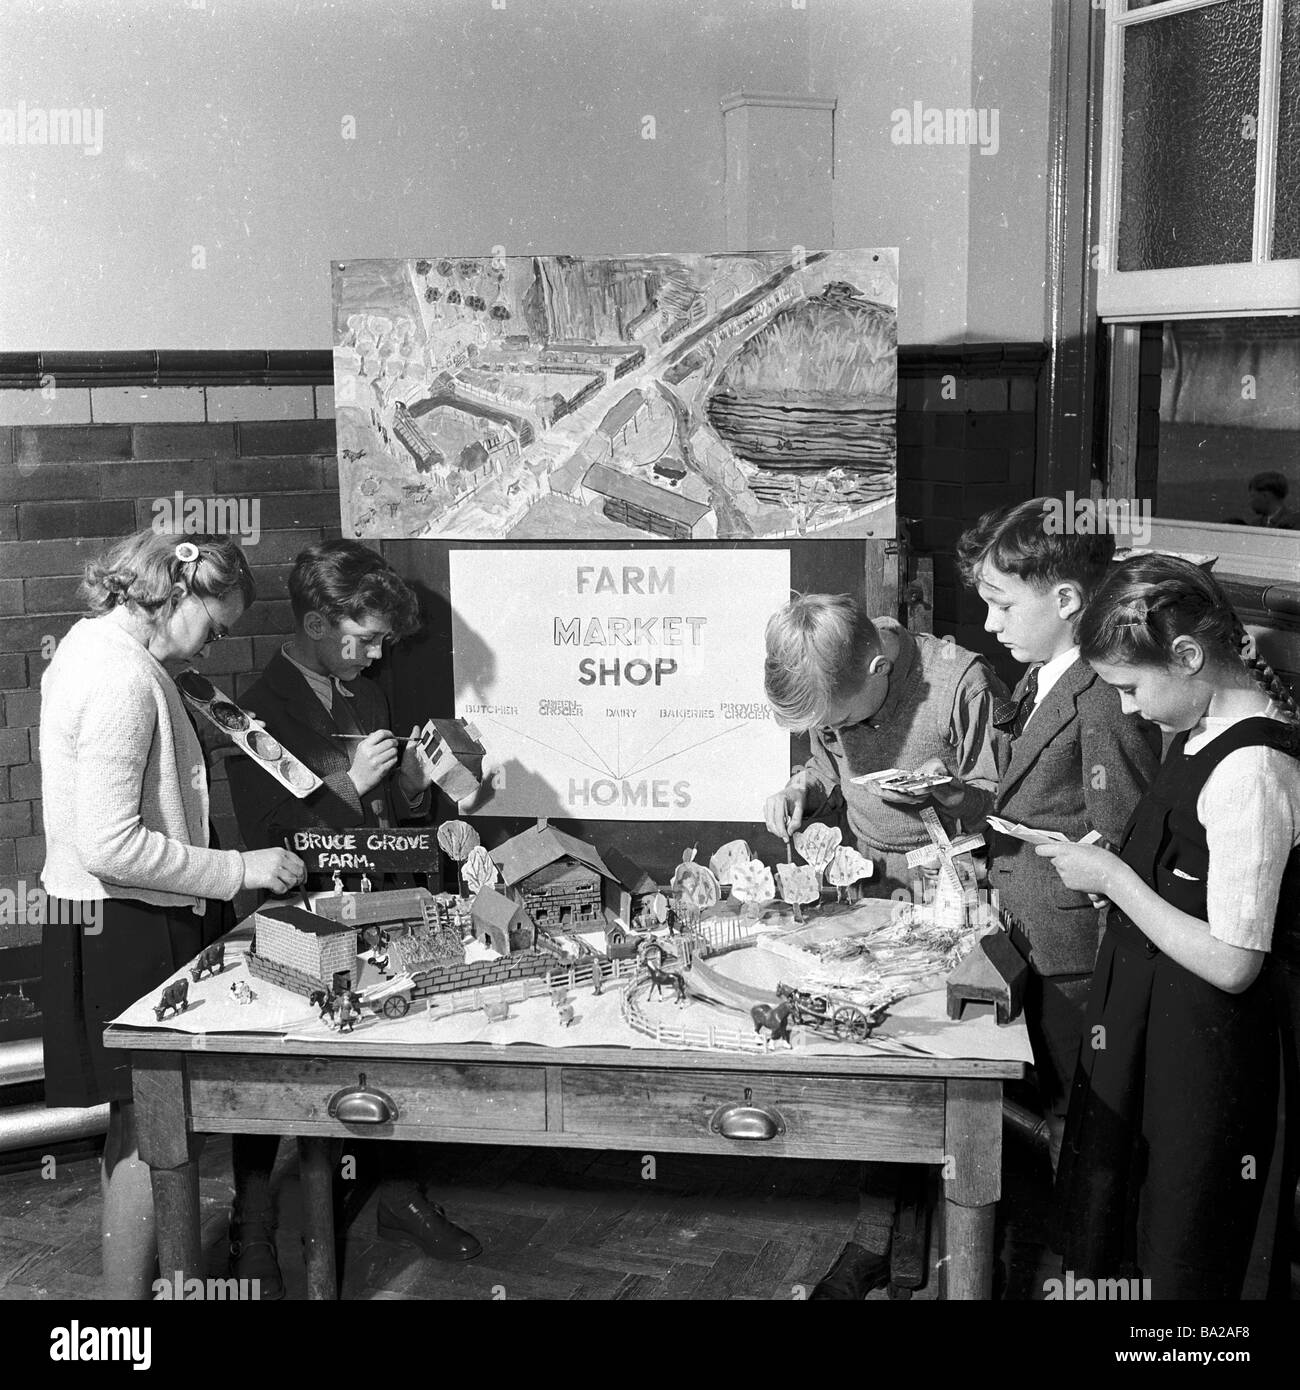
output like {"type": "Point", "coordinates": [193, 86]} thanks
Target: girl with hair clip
{"type": "Point", "coordinates": [127, 839]}
{"type": "Point", "coordinates": [1172, 1114]}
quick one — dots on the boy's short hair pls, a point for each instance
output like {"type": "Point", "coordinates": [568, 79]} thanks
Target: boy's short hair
{"type": "Point", "coordinates": [1270, 481]}
{"type": "Point", "coordinates": [1017, 540]}
{"type": "Point", "coordinates": [819, 647]}
{"type": "Point", "coordinates": [345, 579]}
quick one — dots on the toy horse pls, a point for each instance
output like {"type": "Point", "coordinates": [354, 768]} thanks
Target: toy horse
{"type": "Point", "coordinates": [775, 1019]}
{"type": "Point", "coordinates": [324, 1001]}
{"type": "Point", "coordinates": [660, 978]}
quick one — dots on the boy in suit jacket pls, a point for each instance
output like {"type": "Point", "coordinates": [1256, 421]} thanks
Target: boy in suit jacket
{"type": "Point", "coordinates": [348, 601]}
{"type": "Point", "coordinates": [1072, 762]}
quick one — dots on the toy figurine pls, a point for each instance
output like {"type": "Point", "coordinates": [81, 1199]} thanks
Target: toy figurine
{"type": "Point", "coordinates": [212, 959]}
{"type": "Point", "coordinates": [660, 978]}
{"type": "Point", "coordinates": [175, 997]}
{"type": "Point", "coordinates": [349, 1010]}
{"type": "Point", "coordinates": [241, 992]}
{"type": "Point", "coordinates": [324, 1001]}
{"type": "Point", "coordinates": [597, 979]}
{"type": "Point", "coordinates": [775, 1020]}
{"type": "Point", "coordinates": [365, 883]}
{"type": "Point", "coordinates": [566, 1015]}
{"type": "Point", "coordinates": [338, 884]}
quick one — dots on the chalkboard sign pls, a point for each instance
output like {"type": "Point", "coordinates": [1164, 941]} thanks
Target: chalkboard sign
{"type": "Point", "coordinates": [367, 849]}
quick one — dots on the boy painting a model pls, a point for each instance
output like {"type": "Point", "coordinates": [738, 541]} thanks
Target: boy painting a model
{"type": "Point", "coordinates": [871, 695]}
{"type": "Point", "coordinates": [347, 603]}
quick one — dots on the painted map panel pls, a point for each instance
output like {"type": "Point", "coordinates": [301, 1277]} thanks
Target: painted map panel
{"type": "Point", "coordinates": [734, 396]}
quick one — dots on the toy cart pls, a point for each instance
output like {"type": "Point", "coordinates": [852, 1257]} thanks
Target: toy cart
{"type": "Point", "coordinates": [392, 999]}
{"type": "Point", "coordinates": [824, 1011]}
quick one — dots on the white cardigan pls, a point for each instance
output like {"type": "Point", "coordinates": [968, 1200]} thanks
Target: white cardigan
{"type": "Point", "coordinates": [123, 779]}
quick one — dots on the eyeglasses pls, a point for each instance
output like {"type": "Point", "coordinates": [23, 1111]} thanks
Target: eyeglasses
{"type": "Point", "coordinates": [216, 633]}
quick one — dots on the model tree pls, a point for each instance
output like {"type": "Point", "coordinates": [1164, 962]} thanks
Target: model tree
{"type": "Point", "coordinates": [753, 885]}
{"type": "Point", "coordinates": [694, 887]}
{"type": "Point", "coordinates": [480, 869]}
{"type": "Point", "coordinates": [800, 883]}
{"type": "Point", "coordinates": [818, 844]}
{"type": "Point", "coordinates": [457, 839]}
{"type": "Point", "coordinates": [846, 868]}
{"type": "Point", "coordinates": [725, 862]}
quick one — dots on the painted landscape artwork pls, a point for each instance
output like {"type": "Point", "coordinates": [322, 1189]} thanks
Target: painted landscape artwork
{"type": "Point", "coordinates": [746, 396]}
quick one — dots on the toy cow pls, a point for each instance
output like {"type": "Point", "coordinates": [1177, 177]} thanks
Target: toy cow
{"type": "Point", "coordinates": [212, 960]}
{"type": "Point", "coordinates": [175, 997]}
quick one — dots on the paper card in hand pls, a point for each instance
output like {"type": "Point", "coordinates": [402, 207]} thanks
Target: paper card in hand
{"type": "Point", "coordinates": [897, 779]}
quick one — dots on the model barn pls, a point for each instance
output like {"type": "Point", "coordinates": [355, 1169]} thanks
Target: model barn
{"type": "Point", "coordinates": [305, 941]}
{"type": "Point", "coordinates": [501, 922]}
{"type": "Point", "coordinates": [562, 883]}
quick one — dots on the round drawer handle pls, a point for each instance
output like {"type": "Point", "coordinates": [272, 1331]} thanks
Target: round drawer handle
{"type": "Point", "coordinates": [361, 1105]}
{"type": "Point", "coordinates": [745, 1120]}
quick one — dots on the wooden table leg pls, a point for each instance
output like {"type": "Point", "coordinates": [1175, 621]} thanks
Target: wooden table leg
{"type": "Point", "coordinates": [972, 1186]}
{"type": "Point", "coordinates": [317, 1175]}
{"type": "Point", "coordinates": [166, 1145]}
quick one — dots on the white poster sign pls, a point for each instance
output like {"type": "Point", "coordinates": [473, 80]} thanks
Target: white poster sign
{"type": "Point", "coordinates": [619, 685]}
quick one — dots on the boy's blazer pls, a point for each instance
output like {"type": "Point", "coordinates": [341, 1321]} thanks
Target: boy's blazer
{"type": "Point", "coordinates": [1079, 765]}
{"type": "Point", "coordinates": [283, 700]}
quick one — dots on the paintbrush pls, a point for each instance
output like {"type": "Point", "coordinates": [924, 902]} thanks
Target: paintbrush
{"type": "Point", "coordinates": [358, 737]}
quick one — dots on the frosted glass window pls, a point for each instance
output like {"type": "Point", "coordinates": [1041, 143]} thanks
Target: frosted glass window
{"type": "Point", "coordinates": [1286, 219]}
{"type": "Point", "coordinates": [1187, 176]}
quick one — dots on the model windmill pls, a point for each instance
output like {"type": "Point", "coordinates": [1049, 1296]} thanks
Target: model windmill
{"type": "Point", "coordinates": [950, 896]}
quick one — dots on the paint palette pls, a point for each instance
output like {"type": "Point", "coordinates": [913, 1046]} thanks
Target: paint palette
{"type": "Point", "coordinates": [246, 732]}
{"type": "Point", "coordinates": [897, 779]}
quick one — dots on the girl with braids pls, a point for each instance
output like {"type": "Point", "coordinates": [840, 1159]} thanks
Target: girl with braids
{"type": "Point", "coordinates": [127, 840]}
{"type": "Point", "coordinates": [1172, 1113]}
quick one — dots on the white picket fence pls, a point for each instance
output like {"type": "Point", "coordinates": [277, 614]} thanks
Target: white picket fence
{"type": "Point", "coordinates": [703, 1039]}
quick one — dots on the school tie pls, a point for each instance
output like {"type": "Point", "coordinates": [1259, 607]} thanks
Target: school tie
{"type": "Point", "coordinates": [1026, 706]}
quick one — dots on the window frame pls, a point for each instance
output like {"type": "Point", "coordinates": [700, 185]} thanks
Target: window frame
{"type": "Point", "coordinates": [1238, 289]}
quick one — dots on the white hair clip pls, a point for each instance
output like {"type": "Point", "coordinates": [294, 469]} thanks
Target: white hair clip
{"type": "Point", "coordinates": [187, 552]}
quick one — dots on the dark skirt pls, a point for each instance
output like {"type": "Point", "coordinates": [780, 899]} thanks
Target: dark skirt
{"type": "Point", "coordinates": [88, 977]}
{"type": "Point", "coordinates": [1170, 1127]}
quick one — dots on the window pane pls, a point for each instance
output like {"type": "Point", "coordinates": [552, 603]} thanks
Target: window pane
{"type": "Point", "coordinates": [1230, 410]}
{"type": "Point", "coordinates": [1187, 177]}
{"type": "Point", "coordinates": [1286, 220]}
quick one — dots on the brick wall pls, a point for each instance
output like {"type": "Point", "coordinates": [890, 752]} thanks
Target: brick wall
{"type": "Point", "coordinates": [70, 487]}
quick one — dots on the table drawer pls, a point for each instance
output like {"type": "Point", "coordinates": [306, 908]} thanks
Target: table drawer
{"type": "Point", "coordinates": [432, 1098]}
{"type": "Point", "coordinates": [806, 1116]}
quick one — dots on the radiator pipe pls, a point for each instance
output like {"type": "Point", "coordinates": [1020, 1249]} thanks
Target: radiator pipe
{"type": "Point", "coordinates": [36, 1127]}
{"type": "Point", "coordinates": [1024, 1122]}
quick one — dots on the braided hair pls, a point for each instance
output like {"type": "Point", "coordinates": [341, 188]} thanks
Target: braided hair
{"type": "Point", "coordinates": [1147, 602]}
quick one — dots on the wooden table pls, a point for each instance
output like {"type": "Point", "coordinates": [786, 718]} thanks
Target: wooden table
{"type": "Point", "coordinates": [890, 1109]}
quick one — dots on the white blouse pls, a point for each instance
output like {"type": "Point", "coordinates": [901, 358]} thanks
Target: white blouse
{"type": "Point", "coordinates": [1250, 808]}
